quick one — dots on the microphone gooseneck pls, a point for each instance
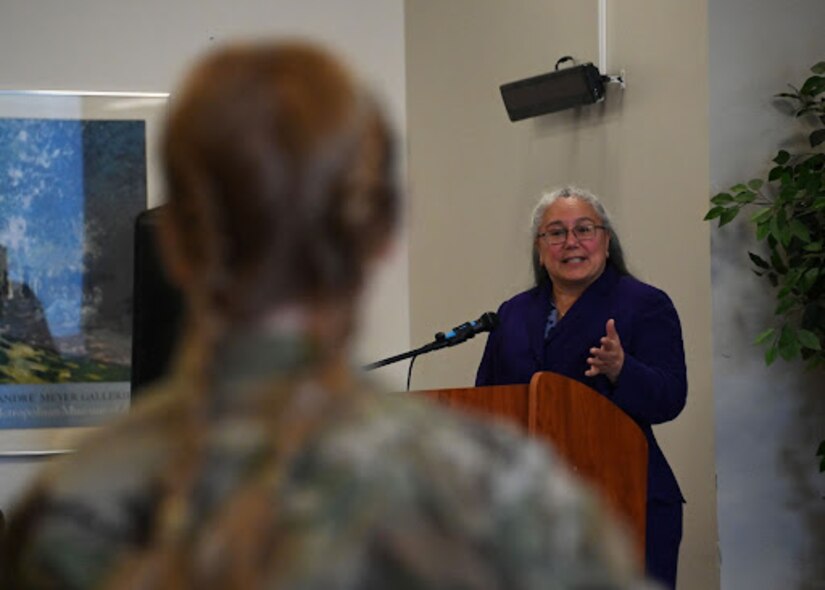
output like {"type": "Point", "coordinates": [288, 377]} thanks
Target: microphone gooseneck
{"type": "Point", "coordinates": [457, 335]}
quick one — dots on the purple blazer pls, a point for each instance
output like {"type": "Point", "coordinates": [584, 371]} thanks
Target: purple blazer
{"type": "Point", "coordinates": [652, 386]}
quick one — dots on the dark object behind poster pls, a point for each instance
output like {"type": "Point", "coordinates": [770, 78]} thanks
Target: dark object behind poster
{"type": "Point", "coordinates": [158, 306]}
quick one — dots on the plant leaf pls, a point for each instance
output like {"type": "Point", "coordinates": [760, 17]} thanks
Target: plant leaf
{"type": "Point", "coordinates": [788, 344]}
{"type": "Point", "coordinates": [781, 158]}
{"type": "Point", "coordinates": [808, 339]}
{"type": "Point", "coordinates": [809, 278]}
{"type": "Point", "coordinates": [775, 173]}
{"type": "Point", "coordinates": [777, 263]}
{"type": "Point", "coordinates": [714, 213]}
{"type": "Point", "coordinates": [770, 355]}
{"type": "Point", "coordinates": [756, 184]}
{"type": "Point", "coordinates": [784, 306]}
{"type": "Point", "coordinates": [780, 228]}
{"type": "Point", "coordinates": [728, 215]}
{"type": "Point", "coordinates": [813, 86]}
{"type": "Point", "coordinates": [761, 215]}
{"type": "Point", "coordinates": [800, 231]}
{"type": "Point", "coordinates": [785, 235]}
{"type": "Point", "coordinates": [764, 336]}
{"type": "Point", "coordinates": [722, 199]}
{"type": "Point", "coordinates": [819, 68]}
{"type": "Point", "coordinates": [817, 137]}
{"type": "Point", "coordinates": [759, 261]}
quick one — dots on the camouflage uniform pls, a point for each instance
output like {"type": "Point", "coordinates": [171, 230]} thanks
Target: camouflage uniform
{"type": "Point", "coordinates": [289, 475]}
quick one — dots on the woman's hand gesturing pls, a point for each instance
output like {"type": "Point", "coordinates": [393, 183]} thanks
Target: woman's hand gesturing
{"type": "Point", "coordinates": [608, 359]}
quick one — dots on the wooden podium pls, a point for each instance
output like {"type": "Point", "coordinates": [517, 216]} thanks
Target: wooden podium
{"type": "Point", "coordinates": [599, 441]}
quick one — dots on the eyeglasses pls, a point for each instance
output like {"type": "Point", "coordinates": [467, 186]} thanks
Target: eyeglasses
{"type": "Point", "coordinates": [584, 232]}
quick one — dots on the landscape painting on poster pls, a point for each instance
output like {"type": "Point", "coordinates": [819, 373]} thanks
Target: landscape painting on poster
{"type": "Point", "coordinates": [74, 174]}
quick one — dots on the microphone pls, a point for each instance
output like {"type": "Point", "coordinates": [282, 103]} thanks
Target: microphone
{"type": "Point", "coordinates": [457, 335]}
{"type": "Point", "coordinates": [467, 330]}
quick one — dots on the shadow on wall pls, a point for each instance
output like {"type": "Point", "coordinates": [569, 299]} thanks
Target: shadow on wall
{"type": "Point", "coordinates": [583, 117]}
{"type": "Point", "coordinates": [584, 131]}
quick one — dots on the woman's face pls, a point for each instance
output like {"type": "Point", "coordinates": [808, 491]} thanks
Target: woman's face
{"type": "Point", "coordinates": [575, 262]}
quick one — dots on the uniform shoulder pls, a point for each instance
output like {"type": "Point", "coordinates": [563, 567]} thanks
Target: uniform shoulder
{"type": "Point", "coordinates": [434, 453]}
{"type": "Point", "coordinates": [410, 432]}
{"type": "Point", "coordinates": [505, 501]}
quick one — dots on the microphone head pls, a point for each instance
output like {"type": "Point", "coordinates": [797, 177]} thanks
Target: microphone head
{"type": "Point", "coordinates": [487, 321]}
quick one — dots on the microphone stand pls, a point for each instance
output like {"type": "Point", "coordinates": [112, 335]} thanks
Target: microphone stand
{"type": "Point", "coordinates": [455, 336]}
{"type": "Point", "coordinates": [436, 345]}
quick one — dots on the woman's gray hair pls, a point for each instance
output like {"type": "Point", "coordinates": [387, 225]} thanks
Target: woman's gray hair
{"type": "Point", "coordinates": [614, 250]}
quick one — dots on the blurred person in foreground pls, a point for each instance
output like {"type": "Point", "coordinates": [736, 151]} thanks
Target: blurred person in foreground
{"type": "Point", "coordinates": [587, 318]}
{"type": "Point", "coordinates": [265, 460]}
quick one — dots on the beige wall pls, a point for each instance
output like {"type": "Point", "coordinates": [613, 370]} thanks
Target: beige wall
{"type": "Point", "coordinates": [475, 176]}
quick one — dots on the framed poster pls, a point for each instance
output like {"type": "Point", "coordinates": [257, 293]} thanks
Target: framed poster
{"type": "Point", "coordinates": [75, 170]}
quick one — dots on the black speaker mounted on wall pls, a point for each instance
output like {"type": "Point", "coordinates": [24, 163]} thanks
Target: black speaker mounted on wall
{"type": "Point", "coordinates": [547, 93]}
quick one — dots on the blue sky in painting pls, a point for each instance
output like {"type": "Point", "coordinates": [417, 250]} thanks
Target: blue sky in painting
{"type": "Point", "coordinates": [41, 214]}
{"type": "Point", "coordinates": [69, 193]}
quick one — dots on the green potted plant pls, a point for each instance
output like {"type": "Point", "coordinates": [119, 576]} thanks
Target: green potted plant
{"type": "Point", "coordinates": [787, 211]}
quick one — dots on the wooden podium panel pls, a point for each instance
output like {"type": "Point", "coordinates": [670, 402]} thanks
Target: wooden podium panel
{"type": "Point", "coordinates": [506, 402]}
{"type": "Point", "coordinates": [601, 443]}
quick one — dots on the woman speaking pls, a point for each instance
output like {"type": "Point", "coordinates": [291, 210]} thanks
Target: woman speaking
{"type": "Point", "coordinates": [587, 318]}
